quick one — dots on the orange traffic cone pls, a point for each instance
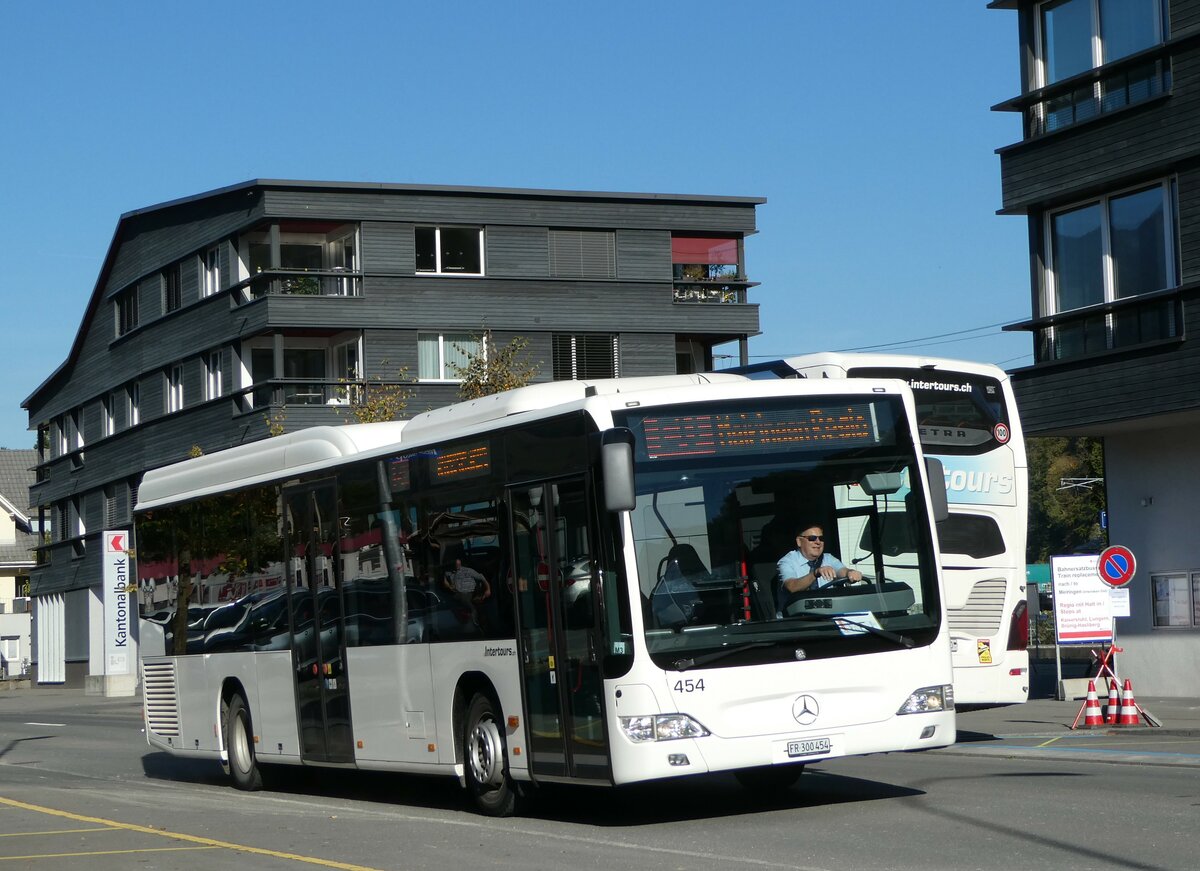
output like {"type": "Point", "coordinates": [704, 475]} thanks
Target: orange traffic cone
{"type": "Point", "coordinates": [1114, 707]}
{"type": "Point", "coordinates": [1129, 711]}
{"type": "Point", "coordinates": [1092, 715]}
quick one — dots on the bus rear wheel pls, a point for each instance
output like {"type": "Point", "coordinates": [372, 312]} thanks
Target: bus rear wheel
{"type": "Point", "coordinates": [485, 759]}
{"type": "Point", "coordinates": [769, 778]}
{"type": "Point", "coordinates": [239, 745]}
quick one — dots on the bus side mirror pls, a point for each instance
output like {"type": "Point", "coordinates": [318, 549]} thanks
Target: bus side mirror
{"type": "Point", "coordinates": [616, 466]}
{"type": "Point", "coordinates": [937, 489]}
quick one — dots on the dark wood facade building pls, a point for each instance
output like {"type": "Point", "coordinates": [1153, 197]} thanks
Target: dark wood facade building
{"type": "Point", "coordinates": [276, 305]}
{"type": "Point", "coordinates": [1107, 174]}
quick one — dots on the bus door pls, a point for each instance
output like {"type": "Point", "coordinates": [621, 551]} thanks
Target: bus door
{"type": "Point", "coordinates": [318, 645]}
{"type": "Point", "coordinates": [554, 571]}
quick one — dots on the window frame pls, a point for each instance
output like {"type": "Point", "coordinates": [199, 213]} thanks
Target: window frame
{"type": "Point", "coordinates": [174, 388]}
{"type": "Point", "coordinates": [437, 250]}
{"type": "Point", "coordinates": [614, 341]}
{"type": "Point", "coordinates": [172, 288]}
{"type": "Point", "coordinates": [444, 376]}
{"type": "Point", "coordinates": [214, 387]}
{"type": "Point", "coordinates": [108, 414]}
{"type": "Point", "coordinates": [210, 271]}
{"type": "Point", "coordinates": [1041, 60]}
{"type": "Point", "coordinates": [133, 400]}
{"type": "Point", "coordinates": [126, 311]}
{"type": "Point", "coordinates": [1191, 578]}
{"type": "Point", "coordinates": [1050, 278]}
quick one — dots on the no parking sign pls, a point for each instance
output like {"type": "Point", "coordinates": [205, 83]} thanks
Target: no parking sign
{"type": "Point", "coordinates": [1116, 566]}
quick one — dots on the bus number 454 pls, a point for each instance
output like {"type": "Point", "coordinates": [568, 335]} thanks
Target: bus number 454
{"type": "Point", "coordinates": [689, 686]}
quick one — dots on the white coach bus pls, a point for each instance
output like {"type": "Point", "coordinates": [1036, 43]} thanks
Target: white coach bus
{"type": "Point", "coordinates": [968, 419]}
{"type": "Point", "coordinates": [565, 582]}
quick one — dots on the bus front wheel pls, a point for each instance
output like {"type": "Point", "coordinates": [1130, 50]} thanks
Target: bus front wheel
{"type": "Point", "coordinates": [239, 744]}
{"type": "Point", "coordinates": [485, 759]}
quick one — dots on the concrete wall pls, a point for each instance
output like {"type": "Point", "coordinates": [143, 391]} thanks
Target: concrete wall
{"type": "Point", "coordinates": [1153, 479]}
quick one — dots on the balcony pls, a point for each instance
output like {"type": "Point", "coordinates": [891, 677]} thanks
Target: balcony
{"type": "Point", "coordinates": [713, 292]}
{"type": "Point", "coordinates": [1130, 81]}
{"type": "Point", "coordinates": [1105, 328]}
{"type": "Point", "coordinates": [300, 282]}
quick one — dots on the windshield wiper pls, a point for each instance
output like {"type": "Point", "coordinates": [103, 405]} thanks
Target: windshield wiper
{"type": "Point", "coordinates": [902, 640]}
{"type": "Point", "coordinates": [696, 661]}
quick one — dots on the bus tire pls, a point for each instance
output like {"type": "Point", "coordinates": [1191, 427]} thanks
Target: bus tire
{"type": "Point", "coordinates": [239, 746]}
{"type": "Point", "coordinates": [485, 759]}
{"type": "Point", "coordinates": [769, 778]}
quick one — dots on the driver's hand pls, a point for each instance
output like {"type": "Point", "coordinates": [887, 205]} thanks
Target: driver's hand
{"type": "Point", "coordinates": [854, 576]}
{"type": "Point", "coordinates": [827, 573]}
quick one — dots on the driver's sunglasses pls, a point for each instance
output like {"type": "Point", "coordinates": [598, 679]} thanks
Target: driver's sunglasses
{"type": "Point", "coordinates": [813, 537]}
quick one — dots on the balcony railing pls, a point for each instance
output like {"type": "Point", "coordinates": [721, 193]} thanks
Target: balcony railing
{"type": "Point", "coordinates": [278, 392]}
{"type": "Point", "coordinates": [302, 282]}
{"type": "Point", "coordinates": [1106, 327]}
{"type": "Point", "coordinates": [1116, 91]}
{"type": "Point", "coordinates": [718, 292]}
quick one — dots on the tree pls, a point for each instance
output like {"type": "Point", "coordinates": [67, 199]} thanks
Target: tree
{"type": "Point", "coordinates": [1062, 520]}
{"type": "Point", "coordinates": [376, 400]}
{"type": "Point", "coordinates": [491, 369]}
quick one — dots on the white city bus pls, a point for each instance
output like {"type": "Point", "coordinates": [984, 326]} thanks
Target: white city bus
{"type": "Point", "coordinates": [968, 419]}
{"type": "Point", "coordinates": [295, 602]}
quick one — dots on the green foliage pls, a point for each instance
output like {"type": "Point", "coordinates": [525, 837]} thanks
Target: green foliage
{"type": "Point", "coordinates": [374, 401]}
{"type": "Point", "coordinates": [493, 370]}
{"type": "Point", "coordinates": [1061, 520]}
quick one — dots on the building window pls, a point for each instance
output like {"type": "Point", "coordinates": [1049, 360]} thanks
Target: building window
{"type": "Point", "coordinates": [583, 254]}
{"type": "Point", "coordinates": [127, 310]}
{"type": "Point", "coordinates": [108, 407]}
{"type": "Point", "coordinates": [133, 400]}
{"type": "Point", "coordinates": [315, 371]}
{"type": "Point", "coordinates": [1110, 249]}
{"type": "Point", "coordinates": [172, 288]}
{"type": "Point", "coordinates": [450, 250]}
{"type": "Point", "coordinates": [1176, 599]}
{"type": "Point", "coordinates": [1075, 36]}
{"type": "Point", "coordinates": [585, 356]}
{"type": "Point", "coordinates": [438, 355]}
{"type": "Point", "coordinates": [115, 506]}
{"type": "Point", "coordinates": [315, 259]}
{"type": "Point", "coordinates": [707, 269]}
{"type": "Point", "coordinates": [211, 279]}
{"type": "Point", "coordinates": [61, 441]}
{"type": "Point", "coordinates": [175, 388]}
{"type": "Point", "coordinates": [212, 375]}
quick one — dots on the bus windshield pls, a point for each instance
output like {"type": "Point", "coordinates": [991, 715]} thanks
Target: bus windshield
{"type": "Point", "coordinates": [958, 413]}
{"type": "Point", "coordinates": [723, 490]}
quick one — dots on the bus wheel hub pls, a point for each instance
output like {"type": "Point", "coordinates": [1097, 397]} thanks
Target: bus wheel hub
{"type": "Point", "coordinates": [485, 754]}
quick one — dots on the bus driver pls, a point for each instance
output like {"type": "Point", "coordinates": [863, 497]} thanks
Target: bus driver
{"type": "Point", "coordinates": [809, 565]}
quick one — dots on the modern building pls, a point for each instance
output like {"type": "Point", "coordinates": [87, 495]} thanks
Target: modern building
{"type": "Point", "coordinates": [1107, 174]}
{"type": "Point", "coordinates": [18, 538]}
{"type": "Point", "coordinates": [270, 306]}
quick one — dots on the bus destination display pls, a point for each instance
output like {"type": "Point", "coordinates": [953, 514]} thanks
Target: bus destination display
{"type": "Point", "coordinates": [466, 461]}
{"type": "Point", "coordinates": [751, 432]}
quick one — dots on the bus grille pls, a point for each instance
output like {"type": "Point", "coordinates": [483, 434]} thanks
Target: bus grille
{"type": "Point", "coordinates": [983, 613]}
{"type": "Point", "coordinates": [161, 697]}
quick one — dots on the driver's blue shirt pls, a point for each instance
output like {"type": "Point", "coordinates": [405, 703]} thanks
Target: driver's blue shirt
{"type": "Point", "coordinates": [794, 565]}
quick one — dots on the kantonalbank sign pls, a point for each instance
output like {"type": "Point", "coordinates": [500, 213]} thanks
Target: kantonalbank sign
{"type": "Point", "coordinates": [119, 650]}
{"type": "Point", "coordinates": [979, 481]}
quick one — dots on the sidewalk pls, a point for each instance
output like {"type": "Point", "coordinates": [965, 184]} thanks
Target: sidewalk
{"type": "Point", "coordinates": [1041, 728]}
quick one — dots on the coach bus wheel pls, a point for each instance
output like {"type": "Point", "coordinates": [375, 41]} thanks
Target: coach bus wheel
{"type": "Point", "coordinates": [769, 778]}
{"type": "Point", "coordinates": [485, 759]}
{"type": "Point", "coordinates": [239, 744]}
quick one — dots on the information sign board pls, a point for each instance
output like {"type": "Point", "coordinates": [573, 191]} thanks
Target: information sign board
{"type": "Point", "coordinates": [1082, 604]}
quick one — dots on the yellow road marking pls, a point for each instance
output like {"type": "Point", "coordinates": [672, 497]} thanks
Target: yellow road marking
{"type": "Point", "coordinates": [179, 836]}
{"type": "Point", "coordinates": [56, 832]}
{"type": "Point", "coordinates": [103, 853]}
{"type": "Point", "coordinates": [1051, 741]}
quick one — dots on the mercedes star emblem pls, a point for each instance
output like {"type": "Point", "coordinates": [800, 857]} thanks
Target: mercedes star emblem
{"type": "Point", "coordinates": [805, 709]}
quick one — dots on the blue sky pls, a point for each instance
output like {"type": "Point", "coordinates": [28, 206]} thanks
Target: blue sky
{"type": "Point", "coordinates": [865, 125]}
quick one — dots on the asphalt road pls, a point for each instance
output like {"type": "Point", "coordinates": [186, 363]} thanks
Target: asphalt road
{"type": "Point", "coordinates": [80, 789]}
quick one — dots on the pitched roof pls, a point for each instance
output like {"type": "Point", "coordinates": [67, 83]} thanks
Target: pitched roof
{"type": "Point", "coordinates": [16, 477]}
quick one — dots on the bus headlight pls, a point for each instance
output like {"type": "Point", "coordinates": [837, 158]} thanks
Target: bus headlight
{"type": "Point", "coordinates": [929, 700]}
{"type": "Point", "coordinates": [661, 727]}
